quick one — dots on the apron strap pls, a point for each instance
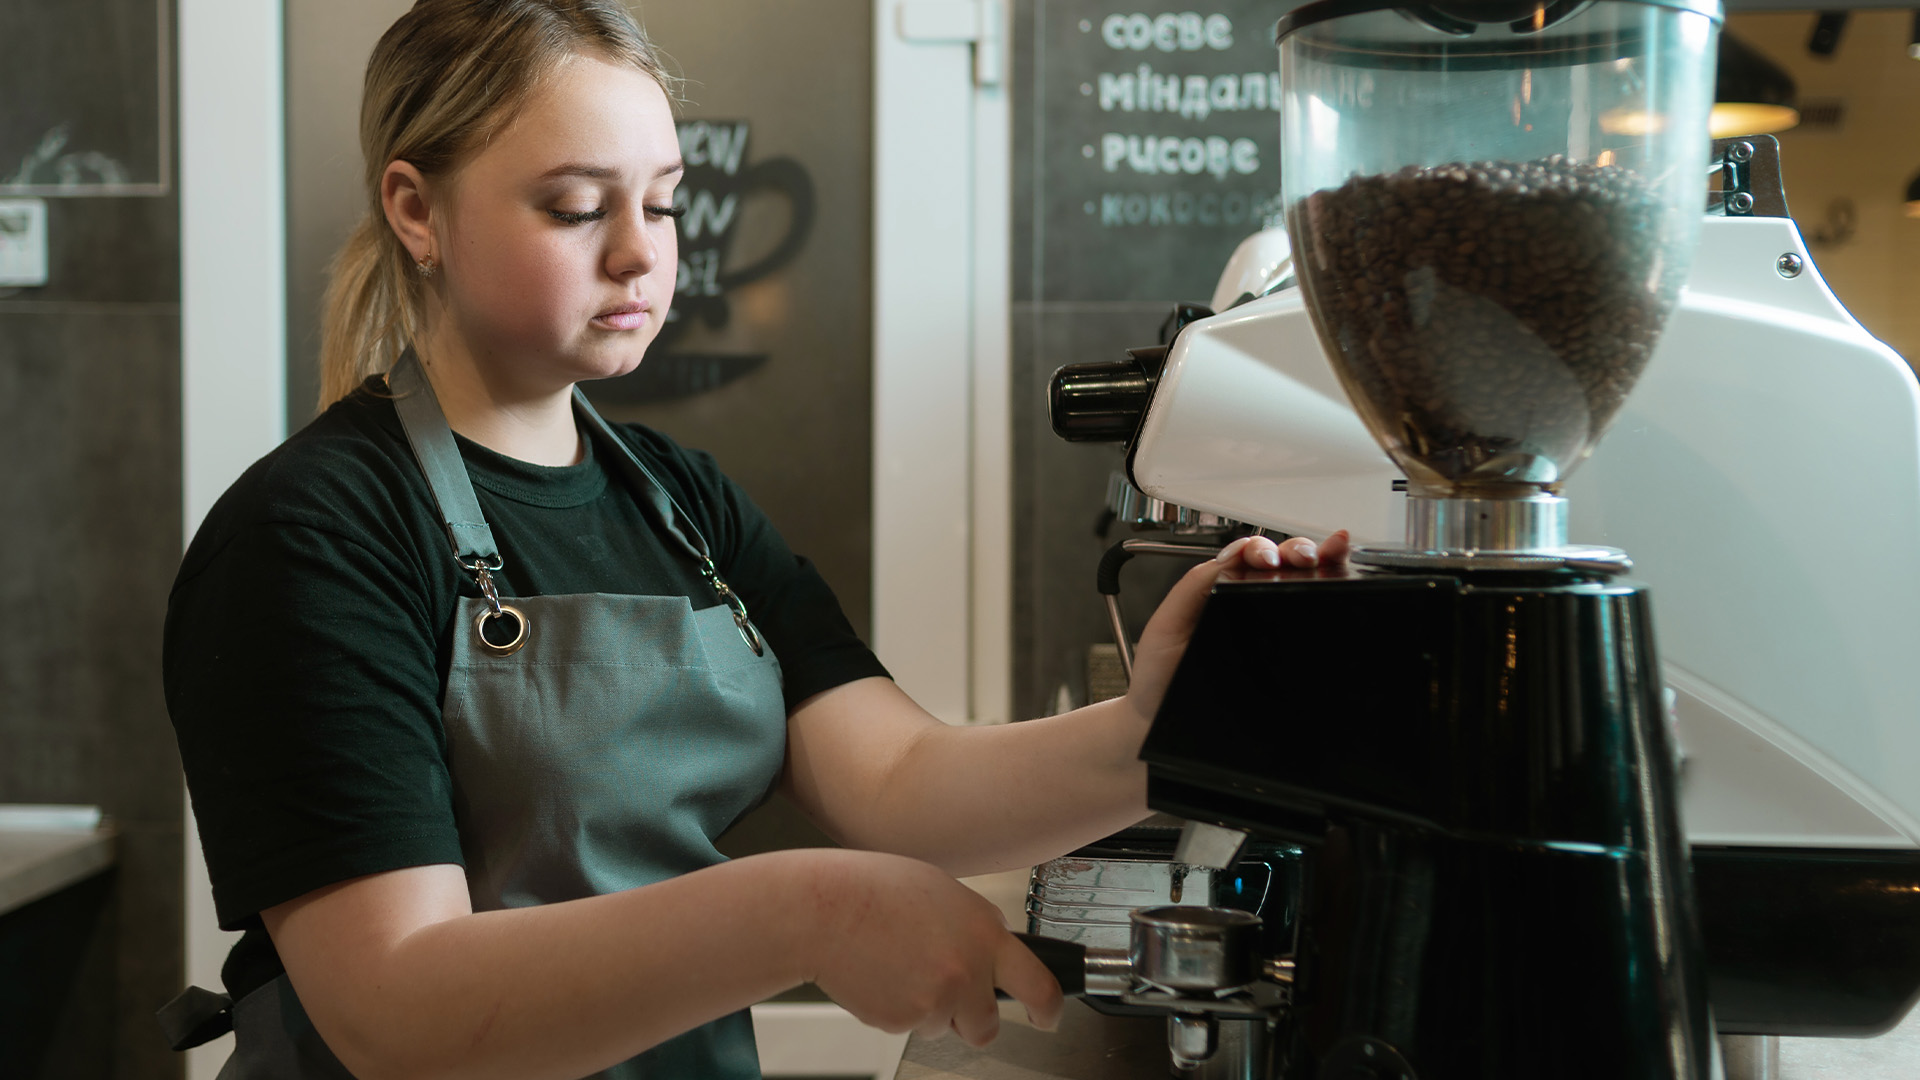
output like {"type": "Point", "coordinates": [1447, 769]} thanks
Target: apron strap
{"type": "Point", "coordinates": [433, 447]}
{"type": "Point", "coordinates": [439, 458]}
{"type": "Point", "coordinates": [667, 515]}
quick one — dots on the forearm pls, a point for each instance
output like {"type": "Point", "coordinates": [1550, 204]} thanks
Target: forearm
{"type": "Point", "coordinates": [977, 799]}
{"type": "Point", "coordinates": [876, 771]}
{"type": "Point", "coordinates": [568, 989]}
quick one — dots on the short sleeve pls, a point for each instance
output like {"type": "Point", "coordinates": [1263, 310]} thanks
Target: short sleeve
{"type": "Point", "coordinates": [303, 682]}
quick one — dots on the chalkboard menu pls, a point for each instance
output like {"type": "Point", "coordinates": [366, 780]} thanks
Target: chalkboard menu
{"type": "Point", "coordinates": [1145, 149]}
{"type": "Point", "coordinates": [1156, 135]}
{"type": "Point", "coordinates": [84, 100]}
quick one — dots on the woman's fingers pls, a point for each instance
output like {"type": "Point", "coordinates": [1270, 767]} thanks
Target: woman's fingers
{"type": "Point", "coordinates": [1258, 552]}
{"type": "Point", "coordinates": [977, 1020]}
{"type": "Point", "coordinates": [1180, 609]}
{"type": "Point", "coordinates": [972, 1011]}
{"type": "Point", "coordinates": [1305, 554]}
{"type": "Point", "coordinates": [1020, 973]}
{"type": "Point", "coordinates": [1334, 549]}
{"type": "Point", "coordinates": [1299, 552]}
{"type": "Point", "coordinates": [1166, 634]}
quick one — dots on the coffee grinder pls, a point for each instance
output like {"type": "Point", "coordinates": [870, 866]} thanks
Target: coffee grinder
{"type": "Point", "coordinates": [1494, 206]}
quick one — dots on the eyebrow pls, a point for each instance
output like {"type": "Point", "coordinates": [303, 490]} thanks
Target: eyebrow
{"type": "Point", "coordinates": [603, 172]}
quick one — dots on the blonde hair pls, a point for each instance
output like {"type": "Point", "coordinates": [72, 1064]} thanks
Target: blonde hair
{"type": "Point", "coordinates": [443, 79]}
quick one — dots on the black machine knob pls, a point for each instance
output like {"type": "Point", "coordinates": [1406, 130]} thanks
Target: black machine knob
{"type": "Point", "coordinates": [1103, 401]}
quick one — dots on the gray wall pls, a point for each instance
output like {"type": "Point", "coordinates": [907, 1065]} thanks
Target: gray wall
{"type": "Point", "coordinates": [328, 42]}
{"type": "Point", "coordinates": [90, 534]}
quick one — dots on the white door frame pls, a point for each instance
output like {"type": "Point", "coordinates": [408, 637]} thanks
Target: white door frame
{"type": "Point", "coordinates": [233, 325]}
{"type": "Point", "coordinates": [942, 435]}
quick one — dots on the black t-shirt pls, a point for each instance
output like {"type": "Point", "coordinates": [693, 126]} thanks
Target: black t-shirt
{"type": "Point", "coordinates": [309, 635]}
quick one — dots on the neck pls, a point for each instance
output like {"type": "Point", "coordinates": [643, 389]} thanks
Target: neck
{"type": "Point", "coordinates": [482, 402]}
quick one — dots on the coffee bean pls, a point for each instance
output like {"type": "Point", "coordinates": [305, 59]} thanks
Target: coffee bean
{"type": "Point", "coordinates": [1489, 318]}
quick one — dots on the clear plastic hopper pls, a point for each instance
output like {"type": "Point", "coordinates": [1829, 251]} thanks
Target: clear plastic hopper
{"type": "Point", "coordinates": [1494, 206]}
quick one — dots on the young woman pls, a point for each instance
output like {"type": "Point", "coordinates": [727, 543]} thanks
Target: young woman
{"type": "Point", "coordinates": [466, 681]}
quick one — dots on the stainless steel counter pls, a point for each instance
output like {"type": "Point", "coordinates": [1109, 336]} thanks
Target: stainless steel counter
{"type": "Point", "coordinates": [38, 862]}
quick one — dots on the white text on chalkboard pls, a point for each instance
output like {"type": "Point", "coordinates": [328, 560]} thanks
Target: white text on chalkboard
{"type": "Point", "coordinates": [1186, 31]}
{"type": "Point", "coordinates": [719, 145]}
{"type": "Point", "coordinates": [1194, 97]}
{"type": "Point", "coordinates": [1172, 155]}
{"type": "Point", "coordinates": [1178, 209]}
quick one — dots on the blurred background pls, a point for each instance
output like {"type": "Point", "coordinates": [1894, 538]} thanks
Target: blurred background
{"type": "Point", "coordinates": [901, 218]}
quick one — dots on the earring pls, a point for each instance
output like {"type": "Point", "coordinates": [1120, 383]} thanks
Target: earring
{"type": "Point", "coordinates": [427, 265]}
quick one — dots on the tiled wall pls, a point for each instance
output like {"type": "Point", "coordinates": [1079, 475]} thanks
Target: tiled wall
{"type": "Point", "coordinates": [89, 540]}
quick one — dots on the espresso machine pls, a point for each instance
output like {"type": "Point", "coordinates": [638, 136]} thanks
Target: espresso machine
{"type": "Point", "coordinates": [1512, 867]}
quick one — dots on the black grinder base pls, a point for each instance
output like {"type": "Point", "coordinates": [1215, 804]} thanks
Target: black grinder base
{"type": "Point", "coordinates": [1479, 768]}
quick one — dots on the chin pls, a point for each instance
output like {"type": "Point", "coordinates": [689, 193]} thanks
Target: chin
{"type": "Point", "coordinates": [612, 364]}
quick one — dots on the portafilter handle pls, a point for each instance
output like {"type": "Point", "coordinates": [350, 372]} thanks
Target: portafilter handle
{"type": "Point", "coordinates": [1080, 969]}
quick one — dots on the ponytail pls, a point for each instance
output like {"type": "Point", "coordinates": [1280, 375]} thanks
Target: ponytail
{"type": "Point", "coordinates": [368, 310]}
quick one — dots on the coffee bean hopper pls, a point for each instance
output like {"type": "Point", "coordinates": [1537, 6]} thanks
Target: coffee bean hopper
{"type": "Point", "coordinates": [1494, 208]}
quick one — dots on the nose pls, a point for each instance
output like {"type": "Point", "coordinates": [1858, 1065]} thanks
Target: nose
{"type": "Point", "coordinates": [634, 247]}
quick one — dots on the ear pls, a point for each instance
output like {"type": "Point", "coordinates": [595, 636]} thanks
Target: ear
{"type": "Point", "coordinates": [408, 204]}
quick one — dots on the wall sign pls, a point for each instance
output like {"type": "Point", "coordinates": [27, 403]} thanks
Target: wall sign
{"type": "Point", "coordinates": [1157, 139]}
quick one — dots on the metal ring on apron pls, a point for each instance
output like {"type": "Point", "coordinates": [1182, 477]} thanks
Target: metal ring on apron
{"type": "Point", "coordinates": [496, 610]}
{"type": "Point", "coordinates": [749, 633]}
{"type": "Point", "coordinates": [522, 625]}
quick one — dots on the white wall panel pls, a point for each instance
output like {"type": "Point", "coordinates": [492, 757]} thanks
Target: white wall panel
{"type": "Point", "coordinates": [233, 312]}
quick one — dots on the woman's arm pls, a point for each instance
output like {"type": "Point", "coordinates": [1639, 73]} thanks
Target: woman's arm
{"type": "Point", "coordinates": [402, 979]}
{"type": "Point", "coordinates": [877, 772]}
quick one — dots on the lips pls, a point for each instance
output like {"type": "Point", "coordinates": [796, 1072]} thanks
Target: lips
{"type": "Point", "coordinates": [631, 316]}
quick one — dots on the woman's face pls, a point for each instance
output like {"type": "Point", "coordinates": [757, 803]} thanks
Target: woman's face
{"type": "Point", "coordinates": [559, 249]}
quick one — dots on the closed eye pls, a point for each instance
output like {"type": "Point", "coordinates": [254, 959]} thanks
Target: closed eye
{"type": "Point", "coordinates": [667, 211]}
{"type": "Point", "coordinates": [577, 217]}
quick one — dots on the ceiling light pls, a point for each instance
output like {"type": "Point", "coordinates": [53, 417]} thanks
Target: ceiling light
{"type": "Point", "coordinates": [1752, 94]}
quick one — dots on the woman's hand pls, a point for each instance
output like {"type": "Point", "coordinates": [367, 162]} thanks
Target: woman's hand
{"type": "Point", "coordinates": [1164, 641]}
{"type": "Point", "coordinates": [905, 947]}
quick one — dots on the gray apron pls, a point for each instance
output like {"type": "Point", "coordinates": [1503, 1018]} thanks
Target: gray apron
{"type": "Point", "coordinates": [596, 743]}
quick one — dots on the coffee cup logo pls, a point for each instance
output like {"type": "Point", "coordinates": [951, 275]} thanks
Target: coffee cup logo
{"type": "Point", "coordinates": [717, 186]}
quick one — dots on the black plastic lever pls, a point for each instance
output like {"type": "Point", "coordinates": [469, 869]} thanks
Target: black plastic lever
{"type": "Point", "coordinates": [1067, 960]}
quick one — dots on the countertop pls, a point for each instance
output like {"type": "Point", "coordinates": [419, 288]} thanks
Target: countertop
{"type": "Point", "coordinates": [38, 862]}
{"type": "Point", "coordinates": [1090, 1046]}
